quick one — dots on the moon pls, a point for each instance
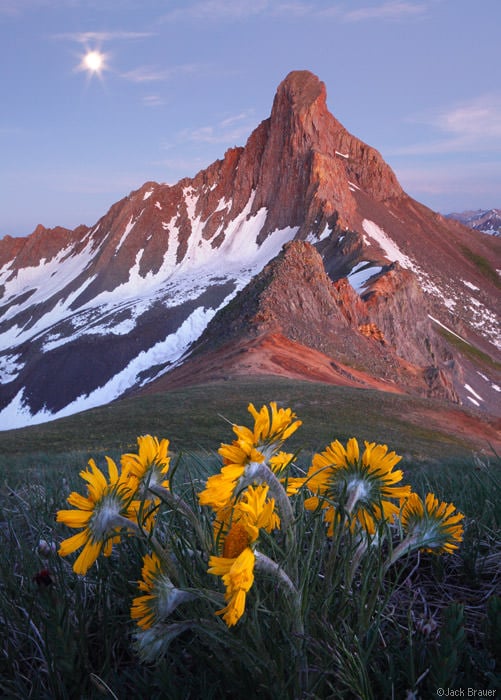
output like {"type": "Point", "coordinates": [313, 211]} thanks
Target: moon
{"type": "Point", "coordinates": [94, 62]}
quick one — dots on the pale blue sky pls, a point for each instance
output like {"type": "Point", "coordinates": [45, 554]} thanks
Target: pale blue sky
{"type": "Point", "coordinates": [420, 80]}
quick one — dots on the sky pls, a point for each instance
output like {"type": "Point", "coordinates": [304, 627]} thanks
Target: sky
{"type": "Point", "coordinates": [100, 96]}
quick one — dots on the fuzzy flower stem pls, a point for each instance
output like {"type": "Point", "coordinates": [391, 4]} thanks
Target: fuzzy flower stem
{"type": "Point", "coordinates": [354, 497]}
{"type": "Point", "coordinates": [355, 562]}
{"type": "Point", "coordinates": [264, 474]}
{"type": "Point", "coordinates": [407, 545]}
{"type": "Point", "coordinates": [266, 565]}
{"type": "Point", "coordinates": [164, 555]}
{"type": "Point", "coordinates": [121, 521]}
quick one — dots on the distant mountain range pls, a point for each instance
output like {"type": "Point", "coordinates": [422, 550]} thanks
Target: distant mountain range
{"type": "Point", "coordinates": [296, 255]}
{"type": "Point", "coordinates": [485, 220]}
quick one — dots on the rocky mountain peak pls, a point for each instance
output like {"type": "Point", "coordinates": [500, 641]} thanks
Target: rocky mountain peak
{"type": "Point", "coordinates": [298, 93]}
{"type": "Point", "coordinates": [306, 157]}
{"type": "Point", "coordinates": [300, 244]}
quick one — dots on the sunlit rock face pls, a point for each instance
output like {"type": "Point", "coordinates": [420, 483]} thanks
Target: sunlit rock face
{"type": "Point", "coordinates": [369, 279]}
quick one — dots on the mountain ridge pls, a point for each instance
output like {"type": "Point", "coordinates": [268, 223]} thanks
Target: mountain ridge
{"type": "Point", "coordinates": [89, 315]}
{"type": "Point", "coordinates": [484, 220]}
{"type": "Point", "coordinates": [293, 296]}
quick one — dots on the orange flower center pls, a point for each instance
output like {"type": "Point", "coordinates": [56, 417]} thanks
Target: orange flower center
{"type": "Point", "coordinates": [236, 541]}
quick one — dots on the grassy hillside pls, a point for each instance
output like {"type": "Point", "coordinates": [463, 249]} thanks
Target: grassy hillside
{"type": "Point", "coordinates": [199, 418]}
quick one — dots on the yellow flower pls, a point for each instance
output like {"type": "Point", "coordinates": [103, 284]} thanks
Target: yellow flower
{"type": "Point", "coordinates": [219, 488]}
{"type": "Point", "coordinates": [102, 514]}
{"type": "Point", "coordinates": [256, 511]}
{"type": "Point", "coordinates": [240, 530]}
{"type": "Point", "coordinates": [161, 596]}
{"type": "Point", "coordinates": [362, 485]}
{"type": "Point", "coordinates": [253, 511]}
{"type": "Point", "coordinates": [238, 576]}
{"type": "Point", "coordinates": [252, 448]}
{"type": "Point", "coordinates": [280, 461]}
{"type": "Point", "coordinates": [151, 464]}
{"type": "Point", "coordinates": [143, 608]}
{"type": "Point", "coordinates": [272, 428]}
{"type": "Point", "coordinates": [432, 524]}
{"type": "Point", "coordinates": [148, 470]}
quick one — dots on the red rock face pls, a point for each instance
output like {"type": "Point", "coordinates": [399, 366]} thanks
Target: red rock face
{"type": "Point", "coordinates": [386, 334]}
{"type": "Point", "coordinates": [43, 243]}
{"type": "Point", "coordinates": [309, 159]}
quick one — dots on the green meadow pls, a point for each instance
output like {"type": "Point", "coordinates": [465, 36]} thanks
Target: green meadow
{"type": "Point", "coordinates": [366, 631]}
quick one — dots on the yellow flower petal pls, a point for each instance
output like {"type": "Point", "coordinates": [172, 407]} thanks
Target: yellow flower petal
{"type": "Point", "coordinates": [219, 566]}
{"type": "Point", "coordinates": [71, 544]}
{"type": "Point", "coordinates": [79, 501]}
{"type": "Point", "coordinates": [74, 518]}
{"type": "Point", "coordinates": [87, 557]}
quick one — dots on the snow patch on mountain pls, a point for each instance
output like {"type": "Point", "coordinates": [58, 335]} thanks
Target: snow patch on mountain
{"type": "Point", "coordinates": [227, 268]}
{"type": "Point", "coordinates": [449, 330]}
{"type": "Point", "coordinates": [473, 396]}
{"type": "Point", "coordinates": [361, 274]}
{"type": "Point", "coordinates": [17, 414]}
{"type": "Point", "coordinates": [387, 245]}
{"type": "Point", "coordinates": [394, 254]}
{"type": "Point", "coordinates": [485, 321]}
{"type": "Point", "coordinates": [482, 319]}
{"type": "Point", "coordinates": [127, 230]}
{"type": "Point", "coordinates": [471, 286]}
{"type": "Point", "coordinates": [169, 351]}
{"type": "Point", "coordinates": [9, 368]}
{"type": "Point", "coordinates": [42, 281]}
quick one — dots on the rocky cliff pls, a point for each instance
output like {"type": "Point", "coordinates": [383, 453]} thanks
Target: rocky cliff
{"type": "Point", "coordinates": [385, 333]}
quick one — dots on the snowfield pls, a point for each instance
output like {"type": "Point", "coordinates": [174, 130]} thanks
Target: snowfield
{"type": "Point", "coordinates": [234, 262]}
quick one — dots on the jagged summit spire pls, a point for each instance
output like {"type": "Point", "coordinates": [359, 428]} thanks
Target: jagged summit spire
{"type": "Point", "coordinates": [300, 89]}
